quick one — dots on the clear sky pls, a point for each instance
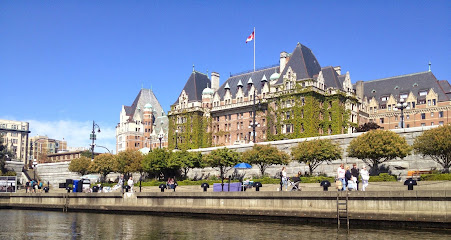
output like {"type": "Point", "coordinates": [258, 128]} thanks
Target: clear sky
{"type": "Point", "coordinates": [66, 63]}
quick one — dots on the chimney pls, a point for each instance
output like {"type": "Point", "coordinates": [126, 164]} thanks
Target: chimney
{"type": "Point", "coordinates": [359, 89]}
{"type": "Point", "coordinates": [338, 70]}
{"type": "Point", "coordinates": [283, 60]}
{"type": "Point", "coordinates": [214, 81]}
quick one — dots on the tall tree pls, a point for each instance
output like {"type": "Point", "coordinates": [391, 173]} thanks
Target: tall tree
{"type": "Point", "coordinates": [185, 160]}
{"type": "Point", "coordinates": [156, 161]}
{"type": "Point", "coordinates": [378, 146]}
{"type": "Point", "coordinates": [80, 165]}
{"type": "Point", "coordinates": [128, 161]}
{"type": "Point", "coordinates": [436, 143]}
{"type": "Point", "coordinates": [315, 152]}
{"type": "Point", "coordinates": [223, 160]}
{"type": "Point", "coordinates": [264, 156]}
{"type": "Point", "coordinates": [5, 154]}
{"type": "Point", "coordinates": [103, 164]}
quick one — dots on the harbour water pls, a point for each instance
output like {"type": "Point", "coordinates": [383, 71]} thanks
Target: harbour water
{"type": "Point", "coordinates": [48, 225]}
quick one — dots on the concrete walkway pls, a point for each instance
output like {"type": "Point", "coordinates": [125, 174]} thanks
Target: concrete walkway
{"type": "Point", "coordinates": [375, 186]}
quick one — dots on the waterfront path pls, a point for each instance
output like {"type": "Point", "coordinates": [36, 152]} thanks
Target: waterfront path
{"type": "Point", "coordinates": [373, 186]}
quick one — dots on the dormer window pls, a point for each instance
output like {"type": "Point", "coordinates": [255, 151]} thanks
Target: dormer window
{"type": "Point", "coordinates": [404, 95]}
{"type": "Point", "coordinates": [423, 93]}
{"type": "Point", "coordinates": [384, 98]}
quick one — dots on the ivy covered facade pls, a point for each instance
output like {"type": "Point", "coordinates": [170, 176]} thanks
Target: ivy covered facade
{"type": "Point", "coordinates": [293, 99]}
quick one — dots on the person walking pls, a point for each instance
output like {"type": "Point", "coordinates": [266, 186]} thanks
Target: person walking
{"type": "Point", "coordinates": [365, 177]}
{"type": "Point", "coordinates": [284, 179]}
{"type": "Point", "coordinates": [341, 177]}
{"type": "Point", "coordinates": [27, 186]}
{"type": "Point", "coordinates": [355, 174]}
{"type": "Point", "coordinates": [348, 177]}
{"type": "Point", "coordinates": [130, 183]}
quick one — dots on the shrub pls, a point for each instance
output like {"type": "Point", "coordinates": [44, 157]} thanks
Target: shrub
{"type": "Point", "coordinates": [383, 177]}
{"type": "Point", "coordinates": [9, 173]}
{"type": "Point", "coordinates": [436, 177]}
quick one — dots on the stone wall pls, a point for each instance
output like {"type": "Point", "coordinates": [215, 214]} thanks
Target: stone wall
{"type": "Point", "coordinates": [419, 207]}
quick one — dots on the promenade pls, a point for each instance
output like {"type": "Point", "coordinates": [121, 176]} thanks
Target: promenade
{"type": "Point", "coordinates": [305, 187]}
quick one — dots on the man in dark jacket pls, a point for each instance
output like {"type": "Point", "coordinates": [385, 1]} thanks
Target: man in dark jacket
{"type": "Point", "coordinates": [355, 173]}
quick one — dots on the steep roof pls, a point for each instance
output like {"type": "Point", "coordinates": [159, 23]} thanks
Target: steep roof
{"type": "Point", "coordinates": [256, 79]}
{"type": "Point", "coordinates": [331, 78]}
{"type": "Point", "coordinates": [196, 83]}
{"type": "Point", "coordinates": [144, 97]}
{"type": "Point", "coordinates": [303, 63]}
{"type": "Point", "coordinates": [397, 85]}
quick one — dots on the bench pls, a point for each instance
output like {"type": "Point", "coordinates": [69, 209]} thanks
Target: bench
{"type": "Point", "coordinates": [417, 174]}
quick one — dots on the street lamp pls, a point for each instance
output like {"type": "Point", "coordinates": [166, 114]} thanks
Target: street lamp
{"type": "Point", "coordinates": [160, 137]}
{"type": "Point", "coordinates": [176, 132]}
{"type": "Point", "coordinates": [254, 124]}
{"type": "Point", "coordinates": [93, 137]}
{"type": "Point", "coordinates": [401, 105]}
{"type": "Point", "coordinates": [103, 147]}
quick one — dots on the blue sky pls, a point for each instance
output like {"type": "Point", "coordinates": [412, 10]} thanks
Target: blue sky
{"type": "Point", "coordinates": [66, 63]}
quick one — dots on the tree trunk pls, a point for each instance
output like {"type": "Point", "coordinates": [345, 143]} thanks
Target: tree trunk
{"type": "Point", "coordinates": [310, 167]}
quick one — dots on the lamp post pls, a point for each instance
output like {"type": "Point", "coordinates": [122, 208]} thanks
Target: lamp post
{"type": "Point", "coordinates": [103, 147]}
{"type": "Point", "coordinates": [401, 106]}
{"type": "Point", "coordinates": [254, 124]}
{"type": "Point", "coordinates": [160, 137]}
{"type": "Point", "coordinates": [176, 132]}
{"type": "Point", "coordinates": [93, 137]}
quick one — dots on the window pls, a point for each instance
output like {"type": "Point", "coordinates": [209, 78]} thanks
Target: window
{"type": "Point", "coordinates": [423, 124]}
{"type": "Point", "coordinates": [423, 116]}
{"type": "Point", "coordinates": [389, 107]}
{"type": "Point", "coordinates": [381, 120]}
{"type": "Point", "coordinates": [413, 104]}
{"type": "Point", "coordinates": [288, 115]}
{"type": "Point", "coordinates": [440, 123]}
{"type": "Point", "coordinates": [440, 114]}
{"type": "Point", "coordinates": [330, 116]}
{"type": "Point", "coordinates": [429, 102]}
{"type": "Point", "coordinates": [408, 125]}
{"type": "Point", "coordinates": [434, 102]}
{"type": "Point", "coordinates": [407, 116]}
{"type": "Point", "coordinates": [432, 123]}
{"type": "Point", "coordinates": [432, 114]}
{"type": "Point", "coordinates": [384, 98]}
{"type": "Point", "coordinates": [403, 95]}
{"type": "Point", "coordinates": [423, 93]}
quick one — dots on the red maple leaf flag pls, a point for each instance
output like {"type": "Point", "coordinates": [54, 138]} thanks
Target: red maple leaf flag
{"type": "Point", "coordinates": [250, 38]}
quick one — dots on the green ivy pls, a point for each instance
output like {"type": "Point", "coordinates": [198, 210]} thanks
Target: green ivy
{"type": "Point", "coordinates": [315, 105]}
{"type": "Point", "coordinates": [194, 134]}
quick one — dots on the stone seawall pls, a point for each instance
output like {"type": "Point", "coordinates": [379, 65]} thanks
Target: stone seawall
{"type": "Point", "coordinates": [415, 207]}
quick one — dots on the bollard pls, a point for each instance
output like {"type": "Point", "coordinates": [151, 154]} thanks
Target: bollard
{"type": "Point", "coordinates": [127, 188]}
{"type": "Point", "coordinates": [68, 189]}
{"type": "Point", "coordinates": [257, 186]}
{"type": "Point", "coordinates": [162, 187]}
{"type": "Point", "coordinates": [46, 189]}
{"type": "Point", "coordinates": [410, 183]}
{"type": "Point", "coordinates": [204, 186]}
{"type": "Point", "coordinates": [325, 184]}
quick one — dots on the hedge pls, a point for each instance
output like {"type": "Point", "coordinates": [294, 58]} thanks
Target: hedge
{"type": "Point", "coordinates": [435, 177]}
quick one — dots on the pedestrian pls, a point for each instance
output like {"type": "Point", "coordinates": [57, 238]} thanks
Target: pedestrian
{"type": "Point", "coordinates": [348, 176]}
{"type": "Point", "coordinates": [355, 173]}
{"type": "Point", "coordinates": [27, 186]}
{"type": "Point", "coordinates": [365, 177]}
{"type": "Point", "coordinates": [40, 184]}
{"type": "Point", "coordinates": [130, 183]}
{"type": "Point", "coordinates": [299, 174]}
{"type": "Point", "coordinates": [341, 177]}
{"type": "Point", "coordinates": [284, 179]}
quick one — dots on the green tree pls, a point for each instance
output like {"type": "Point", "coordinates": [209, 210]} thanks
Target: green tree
{"type": "Point", "coordinates": [378, 146]}
{"type": "Point", "coordinates": [156, 161]}
{"type": "Point", "coordinates": [80, 165]}
{"type": "Point", "coordinates": [264, 156]}
{"type": "Point", "coordinates": [367, 127]}
{"type": "Point", "coordinates": [128, 161]}
{"type": "Point", "coordinates": [5, 154]}
{"type": "Point", "coordinates": [185, 160]}
{"type": "Point", "coordinates": [222, 159]}
{"type": "Point", "coordinates": [86, 153]}
{"type": "Point", "coordinates": [315, 152]}
{"type": "Point", "coordinates": [436, 143]}
{"type": "Point", "coordinates": [103, 164]}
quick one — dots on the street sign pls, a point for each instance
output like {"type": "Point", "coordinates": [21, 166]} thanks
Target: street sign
{"type": "Point", "coordinates": [92, 136]}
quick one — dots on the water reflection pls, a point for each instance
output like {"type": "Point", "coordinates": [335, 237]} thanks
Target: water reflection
{"type": "Point", "coordinates": [27, 224]}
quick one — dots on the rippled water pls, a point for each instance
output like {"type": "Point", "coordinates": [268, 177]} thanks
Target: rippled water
{"type": "Point", "coordinates": [28, 224]}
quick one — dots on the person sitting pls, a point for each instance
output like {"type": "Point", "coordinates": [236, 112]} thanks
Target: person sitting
{"type": "Point", "coordinates": [171, 183]}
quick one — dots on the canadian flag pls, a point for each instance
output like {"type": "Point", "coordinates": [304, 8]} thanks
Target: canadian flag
{"type": "Point", "coordinates": [250, 38]}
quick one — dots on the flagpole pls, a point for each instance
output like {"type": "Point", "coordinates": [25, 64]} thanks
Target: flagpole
{"type": "Point", "coordinates": [254, 49]}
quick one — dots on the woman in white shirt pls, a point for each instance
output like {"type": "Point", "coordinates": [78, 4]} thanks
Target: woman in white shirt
{"type": "Point", "coordinates": [284, 179]}
{"type": "Point", "coordinates": [365, 177]}
{"type": "Point", "coordinates": [341, 176]}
